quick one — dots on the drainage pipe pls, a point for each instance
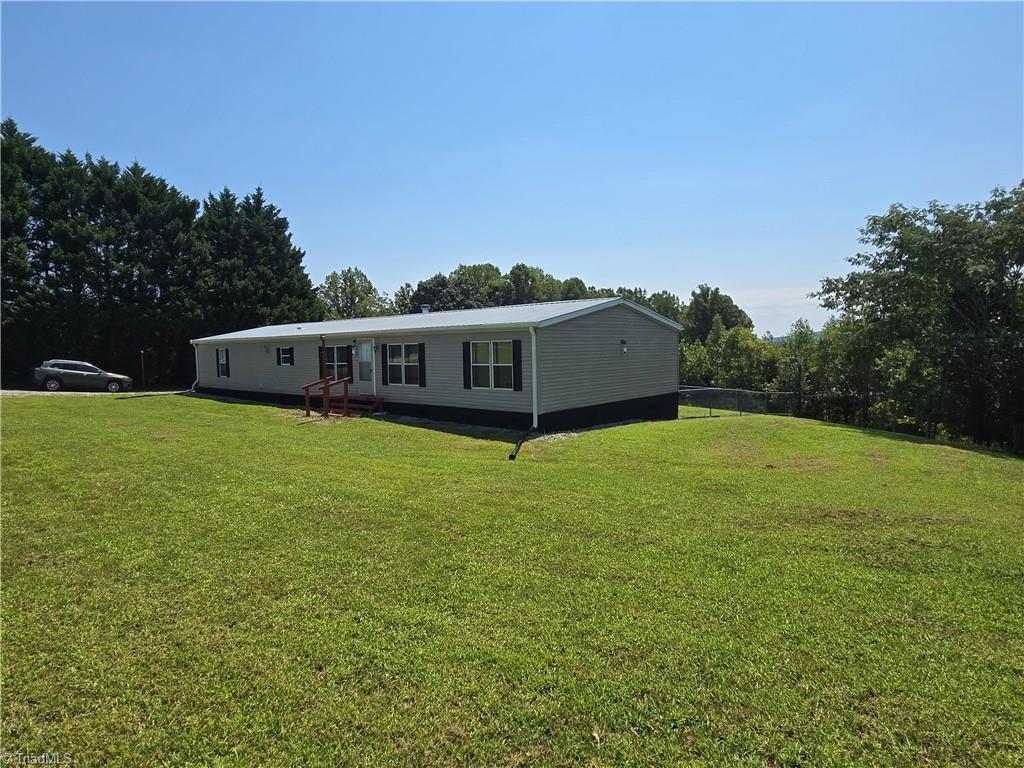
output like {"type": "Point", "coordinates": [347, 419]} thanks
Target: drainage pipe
{"type": "Point", "coordinates": [519, 443]}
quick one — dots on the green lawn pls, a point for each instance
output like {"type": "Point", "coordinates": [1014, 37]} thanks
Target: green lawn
{"type": "Point", "coordinates": [189, 582]}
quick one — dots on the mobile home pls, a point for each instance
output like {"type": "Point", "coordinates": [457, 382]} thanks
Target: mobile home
{"type": "Point", "coordinates": [549, 366]}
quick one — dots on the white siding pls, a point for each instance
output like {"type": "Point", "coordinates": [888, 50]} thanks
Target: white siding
{"type": "Point", "coordinates": [581, 364]}
{"type": "Point", "coordinates": [444, 373]}
{"type": "Point", "coordinates": [254, 366]}
{"type": "Point", "coordinates": [255, 369]}
{"type": "Point", "coordinates": [581, 360]}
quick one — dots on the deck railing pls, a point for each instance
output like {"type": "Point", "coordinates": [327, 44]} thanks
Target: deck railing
{"type": "Point", "coordinates": [327, 395]}
{"type": "Point", "coordinates": [307, 387]}
{"type": "Point", "coordinates": [325, 385]}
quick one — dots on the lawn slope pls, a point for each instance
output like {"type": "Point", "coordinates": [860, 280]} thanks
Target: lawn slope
{"type": "Point", "coordinates": [187, 581]}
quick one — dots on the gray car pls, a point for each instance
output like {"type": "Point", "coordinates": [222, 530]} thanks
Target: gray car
{"type": "Point", "coordinates": [55, 375]}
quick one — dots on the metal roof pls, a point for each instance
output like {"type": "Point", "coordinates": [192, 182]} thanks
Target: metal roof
{"type": "Point", "coordinates": [515, 316]}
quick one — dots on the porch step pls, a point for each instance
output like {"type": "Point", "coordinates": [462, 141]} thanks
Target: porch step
{"type": "Point", "coordinates": [356, 405]}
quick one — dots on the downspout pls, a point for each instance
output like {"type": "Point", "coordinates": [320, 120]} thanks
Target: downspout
{"type": "Point", "coordinates": [533, 386]}
{"type": "Point", "coordinates": [196, 382]}
{"type": "Point", "coordinates": [533, 373]}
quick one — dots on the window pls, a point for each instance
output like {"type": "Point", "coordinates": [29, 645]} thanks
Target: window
{"type": "Point", "coordinates": [491, 363]}
{"type": "Point", "coordinates": [223, 366]}
{"type": "Point", "coordinates": [285, 356]}
{"type": "Point", "coordinates": [404, 364]}
{"type": "Point", "coordinates": [336, 363]}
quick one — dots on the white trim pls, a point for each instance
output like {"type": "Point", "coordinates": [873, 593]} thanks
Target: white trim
{"type": "Point", "coordinates": [615, 302]}
{"type": "Point", "coordinates": [196, 382]}
{"type": "Point", "coordinates": [533, 372]}
{"type": "Point", "coordinates": [490, 364]}
{"type": "Point", "coordinates": [395, 333]}
{"type": "Point", "coordinates": [217, 363]}
{"type": "Point", "coordinates": [373, 363]}
{"type": "Point", "coordinates": [403, 345]}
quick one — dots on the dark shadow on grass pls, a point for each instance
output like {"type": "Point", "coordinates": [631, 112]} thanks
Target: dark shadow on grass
{"type": "Point", "coordinates": [238, 400]}
{"type": "Point", "coordinates": [688, 417]}
{"type": "Point", "coordinates": [918, 439]}
{"type": "Point", "coordinates": [497, 434]}
{"type": "Point", "coordinates": [160, 393]}
{"type": "Point", "coordinates": [454, 428]}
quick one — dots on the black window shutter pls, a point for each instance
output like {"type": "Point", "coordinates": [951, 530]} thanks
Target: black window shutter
{"type": "Point", "coordinates": [278, 355]}
{"type": "Point", "coordinates": [348, 359]}
{"type": "Point", "coordinates": [384, 364]}
{"type": "Point", "coordinates": [227, 364]}
{"type": "Point", "coordinates": [517, 365]}
{"type": "Point", "coordinates": [467, 368]}
{"type": "Point", "coordinates": [216, 361]}
{"type": "Point", "coordinates": [423, 363]}
{"type": "Point", "coordinates": [320, 356]}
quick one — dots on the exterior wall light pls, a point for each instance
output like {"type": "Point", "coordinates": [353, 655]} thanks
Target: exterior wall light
{"type": "Point", "coordinates": [625, 348]}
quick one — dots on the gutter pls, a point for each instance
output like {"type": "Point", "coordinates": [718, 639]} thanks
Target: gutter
{"type": "Point", "coordinates": [356, 333]}
{"type": "Point", "coordinates": [196, 382]}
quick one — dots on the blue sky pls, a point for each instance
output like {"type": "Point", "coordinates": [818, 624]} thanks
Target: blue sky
{"type": "Point", "coordinates": [654, 145]}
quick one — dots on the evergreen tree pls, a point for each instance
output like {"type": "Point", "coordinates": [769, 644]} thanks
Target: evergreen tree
{"type": "Point", "coordinates": [100, 262]}
{"type": "Point", "coordinates": [256, 276]}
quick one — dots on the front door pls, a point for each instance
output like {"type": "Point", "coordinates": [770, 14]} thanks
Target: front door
{"type": "Point", "coordinates": [365, 384]}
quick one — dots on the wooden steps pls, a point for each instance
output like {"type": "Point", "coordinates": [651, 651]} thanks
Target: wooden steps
{"type": "Point", "coordinates": [333, 404]}
{"type": "Point", "coordinates": [357, 405]}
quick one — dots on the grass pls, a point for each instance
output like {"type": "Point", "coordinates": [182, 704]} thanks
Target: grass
{"type": "Point", "coordinates": [699, 412]}
{"type": "Point", "coordinates": [191, 582]}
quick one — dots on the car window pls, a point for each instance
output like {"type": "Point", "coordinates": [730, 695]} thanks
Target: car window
{"type": "Point", "coordinates": [89, 369]}
{"type": "Point", "coordinates": [61, 366]}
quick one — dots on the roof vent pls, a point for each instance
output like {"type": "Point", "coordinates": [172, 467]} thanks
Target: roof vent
{"type": "Point", "coordinates": [424, 308]}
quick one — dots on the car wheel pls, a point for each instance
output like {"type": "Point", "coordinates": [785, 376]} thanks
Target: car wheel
{"type": "Point", "coordinates": [113, 386]}
{"type": "Point", "coordinates": [52, 385]}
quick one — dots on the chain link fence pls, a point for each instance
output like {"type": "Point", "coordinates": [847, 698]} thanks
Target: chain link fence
{"type": "Point", "coordinates": [718, 401]}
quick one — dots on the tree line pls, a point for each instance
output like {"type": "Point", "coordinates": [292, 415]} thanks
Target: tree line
{"type": "Point", "coordinates": [101, 262]}
{"type": "Point", "coordinates": [350, 293]}
{"type": "Point", "coordinates": [105, 264]}
{"type": "Point", "coordinates": [928, 335]}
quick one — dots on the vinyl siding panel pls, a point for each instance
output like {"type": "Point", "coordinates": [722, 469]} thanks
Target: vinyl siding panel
{"type": "Point", "coordinates": [255, 369]}
{"type": "Point", "coordinates": [581, 360]}
{"type": "Point", "coordinates": [444, 374]}
{"type": "Point", "coordinates": [254, 366]}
